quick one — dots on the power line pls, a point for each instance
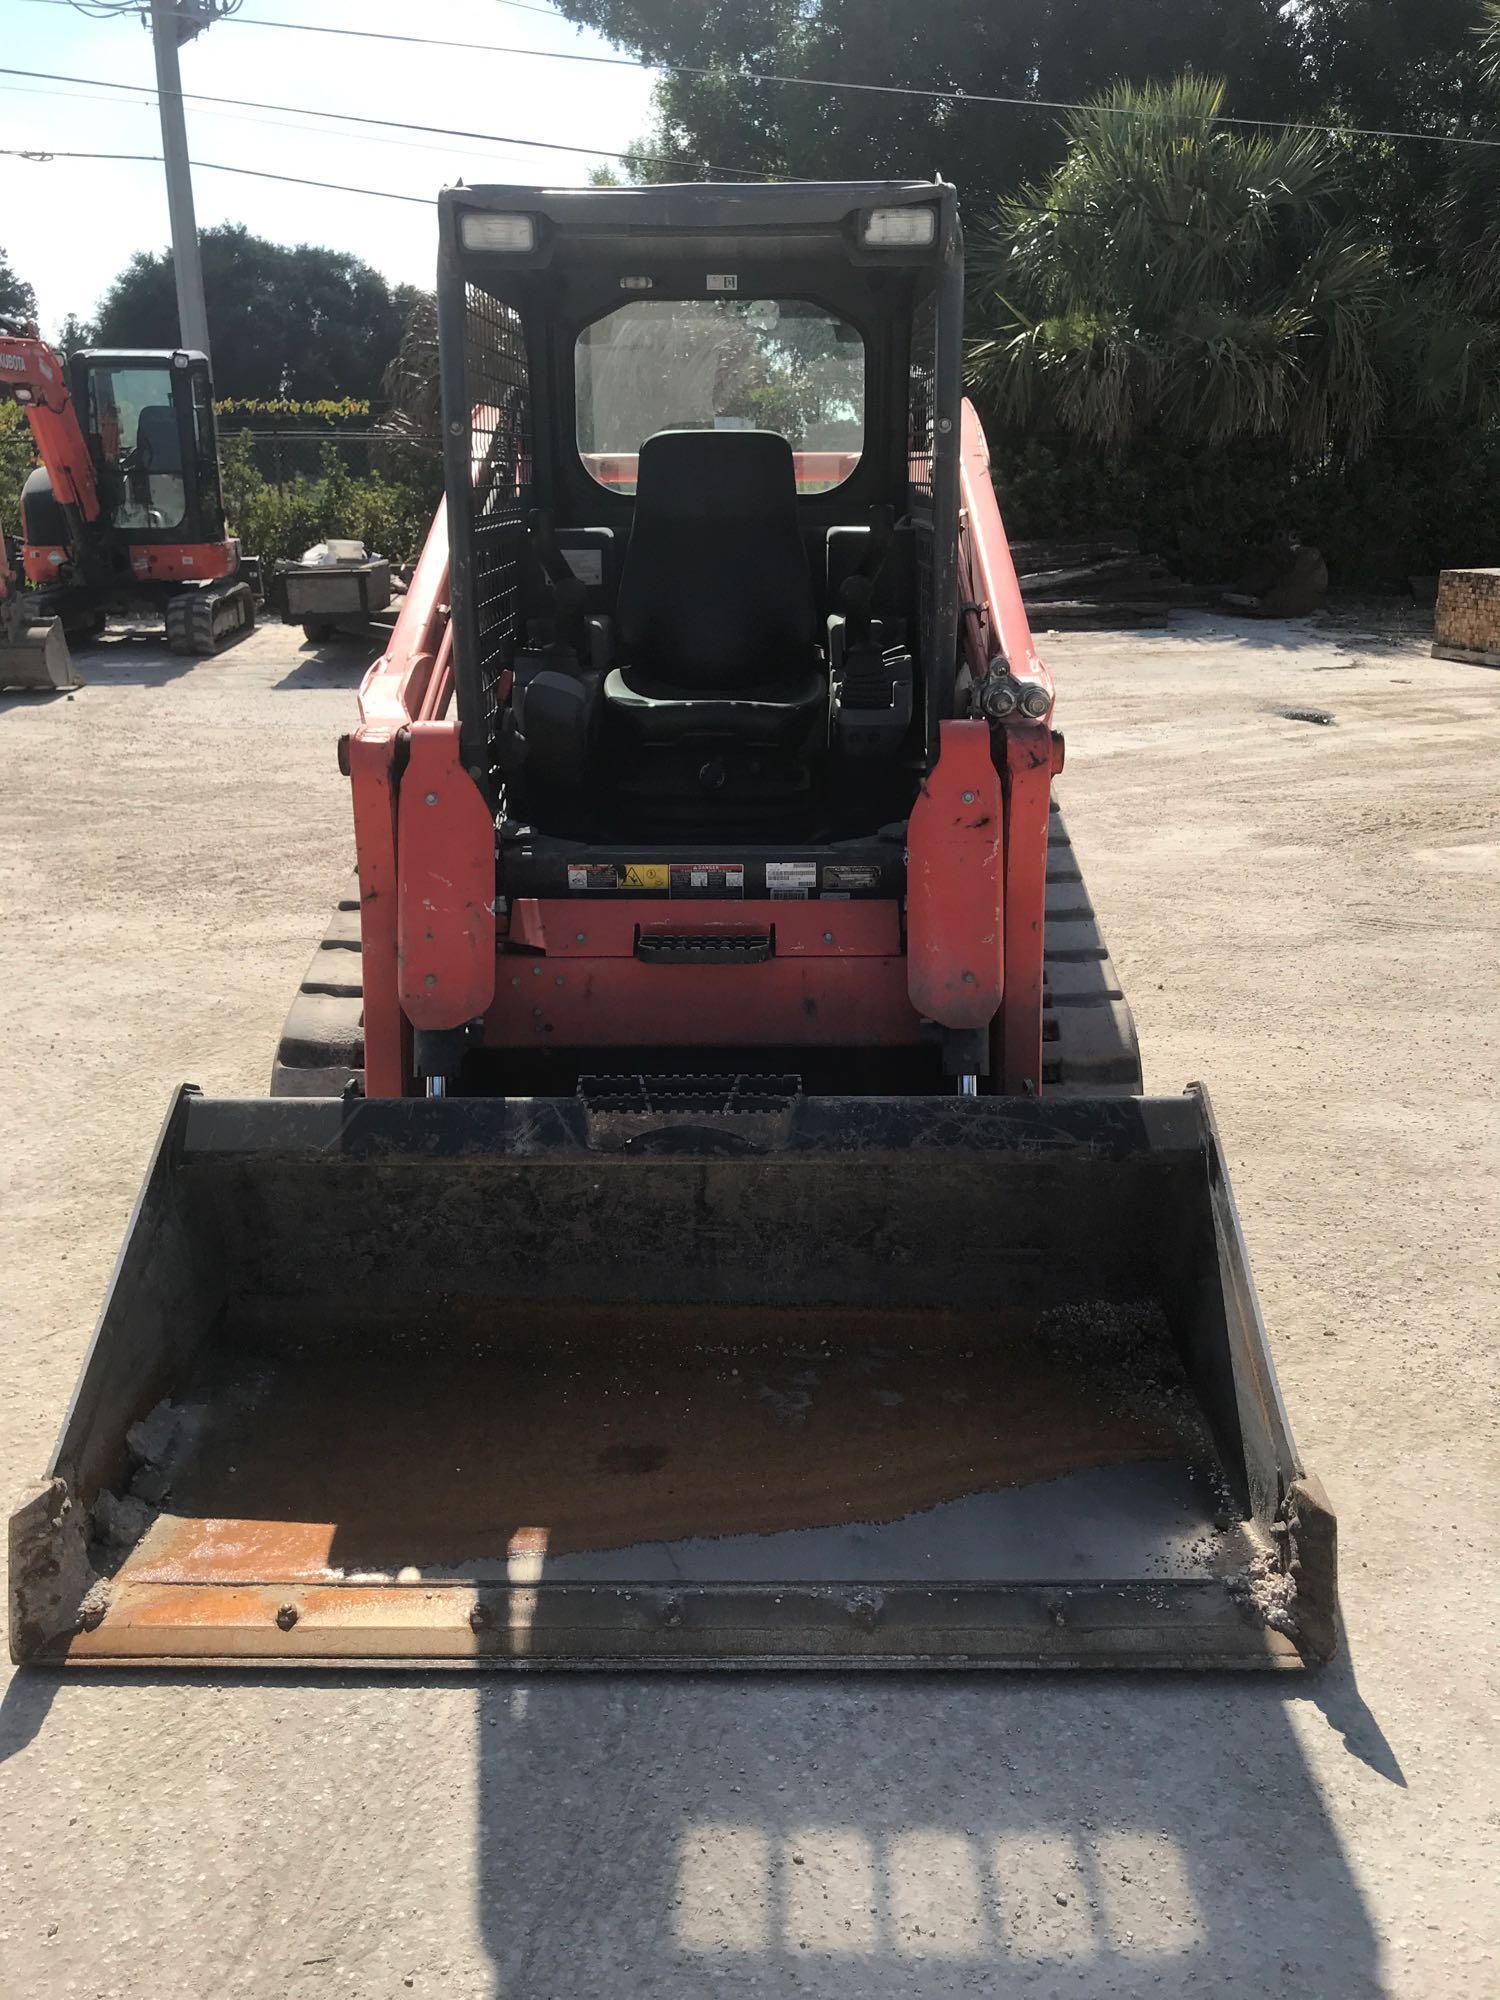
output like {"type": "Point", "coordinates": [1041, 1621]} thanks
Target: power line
{"type": "Point", "coordinates": [40, 155]}
{"type": "Point", "coordinates": [269, 124]}
{"type": "Point", "coordinates": [396, 124]}
{"type": "Point", "coordinates": [948, 97]}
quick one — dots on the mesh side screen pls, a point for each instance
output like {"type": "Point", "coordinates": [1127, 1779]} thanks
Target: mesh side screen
{"type": "Point", "coordinates": [500, 465]}
{"type": "Point", "coordinates": [920, 395]}
{"type": "Point", "coordinates": [921, 379]}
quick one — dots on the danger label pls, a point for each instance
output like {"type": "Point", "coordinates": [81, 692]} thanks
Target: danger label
{"type": "Point", "coordinates": [708, 878]}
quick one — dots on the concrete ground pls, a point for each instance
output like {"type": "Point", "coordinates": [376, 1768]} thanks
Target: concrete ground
{"type": "Point", "coordinates": [1306, 917]}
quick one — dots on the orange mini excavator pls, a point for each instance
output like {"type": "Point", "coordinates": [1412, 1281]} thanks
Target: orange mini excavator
{"type": "Point", "coordinates": [706, 1213]}
{"type": "Point", "coordinates": [125, 510]}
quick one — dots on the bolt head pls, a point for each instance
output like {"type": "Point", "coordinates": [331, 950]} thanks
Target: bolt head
{"type": "Point", "coordinates": [432, 798]}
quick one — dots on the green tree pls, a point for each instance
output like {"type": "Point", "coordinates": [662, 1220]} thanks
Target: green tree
{"type": "Point", "coordinates": [1030, 49]}
{"type": "Point", "coordinates": [1379, 64]}
{"type": "Point", "coordinates": [17, 299]}
{"type": "Point", "coordinates": [1374, 62]}
{"type": "Point", "coordinates": [1179, 278]}
{"type": "Point", "coordinates": [294, 321]}
{"type": "Point", "coordinates": [17, 460]}
{"type": "Point", "coordinates": [1469, 210]}
{"type": "Point", "coordinates": [76, 333]}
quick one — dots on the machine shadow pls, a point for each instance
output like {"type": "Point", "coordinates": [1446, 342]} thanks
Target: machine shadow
{"type": "Point", "coordinates": [131, 658]}
{"type": "Point", "coordinates": [339, 662]}
{"type": "Point", "coordinates": [909, 1835]}
{"type": "Point", "coordinates": [858, 1836]}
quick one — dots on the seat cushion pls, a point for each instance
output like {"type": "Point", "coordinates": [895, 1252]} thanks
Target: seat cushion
{"type": "Point", "coordinates": [716, 593]}
{"type": "Point", "coordinates": [773, 712]}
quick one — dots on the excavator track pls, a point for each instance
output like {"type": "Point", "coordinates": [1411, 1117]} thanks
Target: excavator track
{"type": "Point", "coordinates": [202, 621]}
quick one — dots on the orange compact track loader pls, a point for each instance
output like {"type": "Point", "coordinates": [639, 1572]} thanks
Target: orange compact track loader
{"type": "Point", "coordinates": [705, 1213]}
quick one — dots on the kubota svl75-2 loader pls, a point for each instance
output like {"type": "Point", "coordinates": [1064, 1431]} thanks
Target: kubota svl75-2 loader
{"type": "Point", "coordinates": [706, 1213]}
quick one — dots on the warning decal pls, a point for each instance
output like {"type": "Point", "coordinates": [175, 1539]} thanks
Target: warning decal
{"type": "Point", "coordinates": [708, 878]}
{"type": "Point", "coordinates": [588, 876]}
{"type": "Point", "coordinates": [646, 875]}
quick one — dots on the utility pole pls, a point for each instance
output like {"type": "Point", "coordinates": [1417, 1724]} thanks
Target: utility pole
{"type": "Point", "coordinates": [172, 22]}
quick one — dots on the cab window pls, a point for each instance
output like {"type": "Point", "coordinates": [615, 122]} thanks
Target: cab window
{"type": "Point", "coordinates": [132, 417]}
{"type": "Point", "coordinates": [782, 365]}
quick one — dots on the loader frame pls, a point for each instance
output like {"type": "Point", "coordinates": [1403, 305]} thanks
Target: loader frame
{"type": "Point", "coordinates": [437, 958]}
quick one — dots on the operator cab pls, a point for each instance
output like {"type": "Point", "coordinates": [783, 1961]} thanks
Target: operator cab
{"type": "Point", "coordinates": [150, 426]}
{"type": "Point", "coordinates": [696, 489]}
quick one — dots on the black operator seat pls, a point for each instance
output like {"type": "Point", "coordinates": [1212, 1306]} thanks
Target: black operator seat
{"type": "Point", "coordinates": [158, 447]}
{"type": "Point", "coordinates": [716, 621]}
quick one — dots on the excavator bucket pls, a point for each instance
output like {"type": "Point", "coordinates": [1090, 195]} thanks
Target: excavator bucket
{"type": "Point", "coordinates": [816, 1381]}
{"type": "Point", "coordinates": [34, 654]}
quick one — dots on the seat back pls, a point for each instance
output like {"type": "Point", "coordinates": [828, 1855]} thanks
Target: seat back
{"type": "Point", "coordinates": [157, 444]}
{"type": "Point", "coordinates": [716, 593]}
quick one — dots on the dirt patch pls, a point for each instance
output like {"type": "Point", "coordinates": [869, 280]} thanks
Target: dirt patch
{"type": "Point", "coordinates": [1321, 716]}
{"type": "Point", "coordinates": [660, 1425]}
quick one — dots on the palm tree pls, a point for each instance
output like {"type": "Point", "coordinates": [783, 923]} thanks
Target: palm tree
{"type": "Point", "coordinates": [1180, 276]}
{"type": "Point", "coordinates": [1469, 211]}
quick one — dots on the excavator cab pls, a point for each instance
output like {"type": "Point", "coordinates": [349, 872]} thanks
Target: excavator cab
{"type": "Point", "coordinates": [707, 1213]}
{"type": "Point", "coordinates": [150, 422]}
{"type": "Point", "coordinates": [148, 419]}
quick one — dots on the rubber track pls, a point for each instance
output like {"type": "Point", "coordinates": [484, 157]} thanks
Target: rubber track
{"type": "Point", "coordinates": [323, 1042]}
{"type": "Point", "coordinates": [1089, 1046]}
{"type": "Point", "coordinates": [1088, 1038]}
{"type": "Point", "coordinates": [200, 621]}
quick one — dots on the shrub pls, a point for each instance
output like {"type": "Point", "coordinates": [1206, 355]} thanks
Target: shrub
{"type": "Point", "coordinates": [277, 523]}
{"type": "Point", "coordinates": [17, 460]}
{"type": "Point", "coordinates": [1413, 505]}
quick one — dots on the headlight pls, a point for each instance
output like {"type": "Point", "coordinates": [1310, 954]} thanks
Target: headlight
{"type": "Point", "coordinates": [497, 232]}
{"type": "Point", "coordinates": [899, 228]}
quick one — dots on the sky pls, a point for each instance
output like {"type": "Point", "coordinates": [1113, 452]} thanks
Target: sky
{"type": "Point", "coordinates": [68, 226]}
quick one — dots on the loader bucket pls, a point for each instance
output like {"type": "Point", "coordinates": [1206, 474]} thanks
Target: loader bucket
{"type": "Point", "coordinates": [34, 654]}
{"type": "Point", "coordinates": [830, 1382]}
